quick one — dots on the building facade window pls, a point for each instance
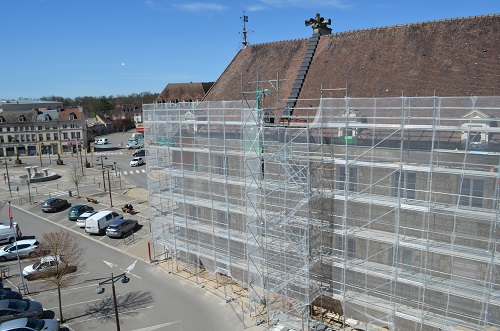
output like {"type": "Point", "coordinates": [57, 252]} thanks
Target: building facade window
{"type": "Point", "coordinates": [471, 192]}
{"type": "Point", "coordinates": [65, 136]}
{"type": "Point", "coordinates": [47, 135]}
{"type": "Point", "coordinates": [351, 184]}
{"type": "Point", "coordinates": [222, 165]}
{"type": "Point", "coordinates": [56, 136]}
{"type": "Point", "coordinates": [404, 260]}
{"type": "Point", "coordinates": [406, 182]}
{"type": "Point", "coordinates": [349, 249]}
{"type": "Point", "coordinates": [40, 137]}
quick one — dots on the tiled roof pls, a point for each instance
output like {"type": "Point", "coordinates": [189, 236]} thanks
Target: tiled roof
{"type": "Point", "coordinates": [183, 92]}
{"type": "Point", "coordinates": [455, 57]}
{"type": "Point", "coordinates": [64, 114]}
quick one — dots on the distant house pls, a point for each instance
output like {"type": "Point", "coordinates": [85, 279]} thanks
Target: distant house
{"type": "Point", "coordinates": [183, 92]}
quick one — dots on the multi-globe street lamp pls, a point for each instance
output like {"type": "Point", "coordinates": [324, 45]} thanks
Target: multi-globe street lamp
{"type": "Point", "coordinates": [99, 290]}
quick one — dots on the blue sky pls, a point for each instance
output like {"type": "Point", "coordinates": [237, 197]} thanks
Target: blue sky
{"type": "Point", "coordinates": [73, 48]}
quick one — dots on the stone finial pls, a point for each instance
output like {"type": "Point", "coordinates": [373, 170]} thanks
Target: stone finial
{"type": "Point", "coordinates": [319, 25]}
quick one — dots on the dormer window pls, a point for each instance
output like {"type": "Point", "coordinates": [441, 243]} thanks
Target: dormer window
{"type": "Point", "coordinates": [47, 118]}
{"type": "Point", "coordinates": [22, 118]}
{"type": "Point", "coordinates": [72, 117]}
{"type": "Point", "coordinates": [2, 120]}
{"type": "Point", "coordinates": [475, 130]}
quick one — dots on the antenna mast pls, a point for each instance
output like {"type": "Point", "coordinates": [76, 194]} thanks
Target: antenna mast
{"type": "Point", "coordinates": [245, 20]}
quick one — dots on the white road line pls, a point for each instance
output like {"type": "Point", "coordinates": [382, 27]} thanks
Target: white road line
{"type": "Point", "coordinates": [121, 313]}
{"type": "Point", "coordinates": [156, 327]}
{"type": "Point", "coordinates": [82, 302]}
{"type": "Point", "coordinates": [124, 172]}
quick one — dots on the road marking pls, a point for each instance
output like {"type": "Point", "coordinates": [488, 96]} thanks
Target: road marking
{"type": "Point", "coordinates": [111, 265]}
{"type": "Point", "coordinates": [156, 327]}
{"type": "Point", "coordinates": [120, 313]}
{"type": "Point", "coordinates": [83, 302]}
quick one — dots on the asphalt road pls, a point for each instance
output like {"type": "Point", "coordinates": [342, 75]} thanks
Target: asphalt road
{"type": "Point", "coordinates": [153, 299]}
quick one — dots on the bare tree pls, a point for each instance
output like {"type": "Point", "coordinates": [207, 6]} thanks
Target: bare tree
{"type": "Point", "coordinates": [75, 177]}
{"type": "Point", "coordinates": [65, 251]}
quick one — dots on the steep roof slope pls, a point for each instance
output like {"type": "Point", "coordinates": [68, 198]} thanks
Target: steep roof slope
{"type": "Point", "coordinates": [455, 57]}
{"type": "Point", "coordinates": [267, 63]}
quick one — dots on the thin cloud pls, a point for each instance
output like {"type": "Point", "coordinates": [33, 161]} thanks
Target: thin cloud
{"type": "Point", "coordinates": [199, 7]}
{"type": "Point", "coordinates": [269, 4]}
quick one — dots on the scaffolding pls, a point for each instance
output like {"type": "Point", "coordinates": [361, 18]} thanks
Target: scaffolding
{"type": "Point", "coordinates": [381, 211]}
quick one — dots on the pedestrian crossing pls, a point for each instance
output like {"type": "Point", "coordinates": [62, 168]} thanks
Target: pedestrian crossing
{"type": "Point", "coordinates": [53, 194]}
{"type": "Point", "coordinates": [109, 153]}
{"type": "Point", "coordinates": [136, 171]}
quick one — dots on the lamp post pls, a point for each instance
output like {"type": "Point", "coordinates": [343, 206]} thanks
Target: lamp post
{"type": "Point", "coordinates": [7, 171]}
{"type": "Point", "coordinates": [109, 187]}
{"type": "Point", "coordinates": [79, 149]}
{"type": "Point", "coordinates": [99, 290]}
{"type": "Point", "coordinates": [102, 167]}
{"type": "Point", "coordinates": [28, 169]}
{"type": "Point", "coordinates": [41, 146]}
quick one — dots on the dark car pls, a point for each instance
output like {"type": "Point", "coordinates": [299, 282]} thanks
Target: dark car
{"type": "Point", "coordinates": [140, 152]}
{"type": "Point", "coordinates": [121, 227]}
{"type": "Point", "coordinates": [14, 309]}
{"type": "Point", "coordinates": [77, 210]}
{"type": "Point", "coordinates": [54, 204]}
{"type": "Point", "coordinates": [5, 294]}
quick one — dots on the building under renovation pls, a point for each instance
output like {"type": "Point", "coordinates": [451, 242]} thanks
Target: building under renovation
{"type": "Point", "coordinates": [324, 186]}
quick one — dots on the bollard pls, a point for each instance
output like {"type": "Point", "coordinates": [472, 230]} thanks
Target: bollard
{"type": "Point", "coordinates": [70, 194]}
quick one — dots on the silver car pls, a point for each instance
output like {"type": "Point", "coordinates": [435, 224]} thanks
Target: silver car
{"type": "Point", "coordinates": [12, 309]}
{"type": "Point", "coordinates": [119, 228]}
{"type": "Point", "coordinates": [28, 324]}
{"type": "Point", "coordinates": [25, 247]}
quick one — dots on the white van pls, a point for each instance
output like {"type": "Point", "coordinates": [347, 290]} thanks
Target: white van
{"type": "Point", "coordinates": [7, 234]}
{"type": "Point", "coordinates": [97, 223]}
{"type": "Point", "coordinates": [101, 141]}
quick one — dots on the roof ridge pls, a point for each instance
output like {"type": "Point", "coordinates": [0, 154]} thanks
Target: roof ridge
{"type": "Point", "coordinates": [417, 23]}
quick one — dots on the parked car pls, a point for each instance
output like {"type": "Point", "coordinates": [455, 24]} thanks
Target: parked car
{"type": "Point", "coordinates": [120, 227]}
{"type": "Point", "coordinates": [101, 141]}
{"type": "Point", "coordinates": [26, 247]}
{"type": "Point", "coordinates": [77, 210]}
{"type": "Point", "coordinates": [140, 152]}
{"type": "Point", "coordinates": [54, 204]}
{"type": "Point", "coordinates": [12, 309]}
{"type": "Point", "coordinates": [80, 221]}
{"type": "Point", "coordinates": [8, 234]}
{"type": "Point", "coordinates": [97, 223]}
{"type": "Point", "coordinates": [44, 266]}
{"type": "Point", "coordinates": [136, 161]}
{"type": "Point", "coordinates": [30, 324]}
{"type": "Point", "coordinates": [5, 294]}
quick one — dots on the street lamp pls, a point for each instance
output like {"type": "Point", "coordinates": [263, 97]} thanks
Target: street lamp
{"type": "Point", "coordinates": [109, 186]}
{"type": "Point", "coordinates": [102, 167]}
{"type": "Point", "coordinates": [28, 169]}
{"type": "Point", "coordinates": [7, 171]}
{"type": "Point", "coordinates": [41, 146]}
{"type": "Point", "coordinates": [99, 290]}
{"type": "Point", "coordinates": [79, 149]}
